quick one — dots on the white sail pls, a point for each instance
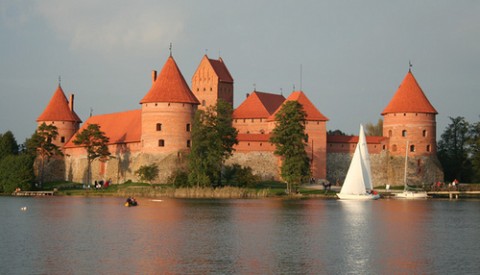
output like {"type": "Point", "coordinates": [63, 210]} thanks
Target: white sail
{"type": "Point", "coordinates": [362, 143]}
{"type": "Point", "coordinates": [355, 180]}
{"type": "Point", "coordinates": [358, 179]}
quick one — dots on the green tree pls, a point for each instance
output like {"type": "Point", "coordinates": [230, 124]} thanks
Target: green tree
{"type": "Point", "coordinates": [374, 130]}
{"type": "Point", "coordinates": [42, 144]}
{"type": "Point", "coordinates": [475, 150]}
{"type": "Point", "coordinates": [453, 151]}
{"type": "Point", "coordinates": [213, 138]}
{"type": "Point", "coordinates": [290, 140]}
{"type": "Point", "coordinates": [8, 144]}
{"type": "Point", "coordinates": [16, 171]}
{"type": "Point", "coordinates": [95, 143]}
{"type": "Point", "coordinates": [147, 173]}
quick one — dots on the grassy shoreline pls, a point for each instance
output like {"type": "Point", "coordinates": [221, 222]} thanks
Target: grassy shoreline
{"type": "Point", "coordinates": [261, 190]}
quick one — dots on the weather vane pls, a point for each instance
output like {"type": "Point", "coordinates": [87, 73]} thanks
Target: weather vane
{"type": "Point", "coordinates": [410, 66]}
{"type": "Point", "coordinates": [170, 48]}
{"type": "Point", "coordinates": [59, 80]}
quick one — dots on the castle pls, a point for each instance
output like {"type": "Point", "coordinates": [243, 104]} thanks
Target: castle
{"type": "Point", "coordinates": [160, 131]}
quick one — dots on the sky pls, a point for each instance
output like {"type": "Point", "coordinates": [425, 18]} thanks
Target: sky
{"type": "Point", "coordinates": [348, 57]}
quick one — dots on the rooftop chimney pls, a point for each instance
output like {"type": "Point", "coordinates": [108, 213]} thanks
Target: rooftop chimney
{"type": "Point", "coordinates": [154, 76]}
{"type": "Point", "coordinates": [70, 102]}
{"type": "Point", "coordinates": [248, 95]}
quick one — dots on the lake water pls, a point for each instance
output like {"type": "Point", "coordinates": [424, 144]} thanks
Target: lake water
{"type": "Point", "coordinates": [71, 235]}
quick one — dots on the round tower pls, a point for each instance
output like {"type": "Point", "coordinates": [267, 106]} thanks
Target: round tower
{"type": "Point", "coordinates": [410, 120]}
{"type": "Point", "coordinates": [410, 117]}
{"type": "Point", "coordinates": [59, 112]}
{"type": "Point", "coordinates": [167, 111]}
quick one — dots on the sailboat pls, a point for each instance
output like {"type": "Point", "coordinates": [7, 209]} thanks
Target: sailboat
{"type": "Point", "coordinates": [409, 194]}
{"type": "Point", "coordinates": [358, 182]}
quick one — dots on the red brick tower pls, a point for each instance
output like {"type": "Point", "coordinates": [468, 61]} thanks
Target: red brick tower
{"type": "Point", "coordinates": [410, 117]}
{"type": "Point", "coordinates": [212, 81]}
{"type": "Point", "coordinates": [167, 111]}
{"type": "Point", "coordinates": [60, 113]}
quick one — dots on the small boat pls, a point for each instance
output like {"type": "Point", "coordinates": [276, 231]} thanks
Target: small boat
{"type": "Point", "coordinates": [409, 193]}
{"type": "Point", "coordinates": [131, 202]}
{"type": "Point", "coordinates": [358, 182]}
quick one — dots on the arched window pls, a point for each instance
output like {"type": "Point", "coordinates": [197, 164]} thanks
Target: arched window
{"type": "Point", "coordinates": [159, 126]}
{"type": "Point", "coordinates": [412, 148]}
{"type": "Point", "coordinates": [188, 143]}
{"type": "Point", "coordinates": [404, 133]}
{"type": "Point", "coordinates": [428, 148]}
{"type": "Point", "coordinates": [161, 143]}
{"type": "Point", "coordinates": [203, 103]}
{"type": "Point", "coordinates": [188, 127]}
{"type": "Point", "coordinates": [424, 133]}
{"type": "Point", "coordinates": [62, 139]}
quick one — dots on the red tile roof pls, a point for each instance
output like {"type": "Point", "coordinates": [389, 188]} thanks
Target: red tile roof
{"type": "Point", "coordinates": [58, 109]}
{"type": "Point", "coordinates": [258, 105]}
{"type": "Point", "coordinates": [409, 98]}
{"type": "Point", "coordinates": [312, 112]}
{"type": "Point", "coordinates": [221, 70]}
{"type": "Point", "coordinates": [170, 86]}
{"type": "Point", "coordinates": [353, 139]}
{"type": "Point", "coordinates": [123, 127]}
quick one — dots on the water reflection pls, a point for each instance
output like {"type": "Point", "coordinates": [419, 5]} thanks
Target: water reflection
{"type": "Point", "coordinates": [100, 235]}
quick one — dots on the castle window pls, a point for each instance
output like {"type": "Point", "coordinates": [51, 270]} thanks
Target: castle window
{"type": "Point", "coordinates": [428, 148]}
{"type": "Point", "coordinates": [156, 104]}
{"type": "Point", "coordinates": [404, 133]}
{"type": "Point", "coordinates": [389, 133]}
{"type": "Point", "coordinates": [404, 114]}
{"type": "Point", "coordinates": [198, 89]}
{"type": "Point", "coordinates": [203, 102]}
{"type": "Point", "coordinates": [211, 89]}
{"type": "Point", "coordinates": [261, 119]}
{"type": "Point", "coordinates": [204, 89]}
{"type": "Point", "coordinates": [424, 133]}
{"type": "Point", "coordinates": [253, 120]}
{"type": "Point", "coordinates": [161, 143]}
{"type": "Point", "coordinates": [188, 127]}
{"type": "Point", "coordinates": [412, 148]}
{"type": "Point", "coordinates": [188, 143]}
{"type": "Point", "coordinates": [62, 139]}
{"type": "Point", "coordinates": [159, 126]}
{"type": "Point", "coordinates": [260, 144]}
{"type": "Point", "coordinates": [383, 147]}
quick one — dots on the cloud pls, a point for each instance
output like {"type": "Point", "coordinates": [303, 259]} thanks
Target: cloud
{"type": "Point", "coordinates": [113, 27]}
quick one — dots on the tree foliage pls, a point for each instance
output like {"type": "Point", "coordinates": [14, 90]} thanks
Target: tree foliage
{"type": "Point", "coordinates": [474, 144]}
{"type": "Point", "coordinates": [290, 140]}
{"type": "Point", "coordinates": [213, 138]}
{"type": "Point", "coordinates": [16, 170]}
{"type": "Point", "coordinates": [147, 173]}
{"type": "Point", "coordinates": [374, 130]}
{"type": "Point", "coordinates": [41, 144]}
{"type": "Point", "coordinates": [8, 144]}
{"type": "Point", "coordinates": [453, 150]}
{"type": "Point", "coordinates": [95, 143]}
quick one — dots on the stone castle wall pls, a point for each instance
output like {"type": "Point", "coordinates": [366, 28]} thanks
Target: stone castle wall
{"type": "Point", "coordinates": [264, 164]}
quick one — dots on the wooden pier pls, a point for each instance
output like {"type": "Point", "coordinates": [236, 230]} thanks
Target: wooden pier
{"type": "Point", "coordinates": [33, 193]}
{"type": "Point", "coordinates": [454, 194]}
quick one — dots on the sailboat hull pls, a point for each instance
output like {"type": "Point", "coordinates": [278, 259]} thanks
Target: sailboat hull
{"type": "Point", "coordinates": [358, 197]}
{"type": "Point", "coordinates": [412, 195]}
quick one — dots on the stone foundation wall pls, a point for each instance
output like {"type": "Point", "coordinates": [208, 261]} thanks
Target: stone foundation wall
{"type": "Point", "coordinates": [263, 164]}
{"type": "Point", "coordinates": [387, 169]}
{"type": "Point", "coordinates": [122, 168]}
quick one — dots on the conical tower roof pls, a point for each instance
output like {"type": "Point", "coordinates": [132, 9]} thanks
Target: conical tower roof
{"type": "Point", "coordinates": [170, 86]}
{"type": "Point", "coordinates": [58, 109]}
{"type": "Point", "coordinates": [409, 98]}
{"type": "Point", "coordinates": [312, 112]}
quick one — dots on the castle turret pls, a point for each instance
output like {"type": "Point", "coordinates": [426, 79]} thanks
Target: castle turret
{"type": "Point", "coordinates": [167, 111]}
{"type": "Point", "coordinates": [410, 117]}
{"type": "Point", "coordinates": [212, 81]}
{"type": "Point", "coordinates": [59, 112]}
{"type": "Point", "coordinates": [410, 120]}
